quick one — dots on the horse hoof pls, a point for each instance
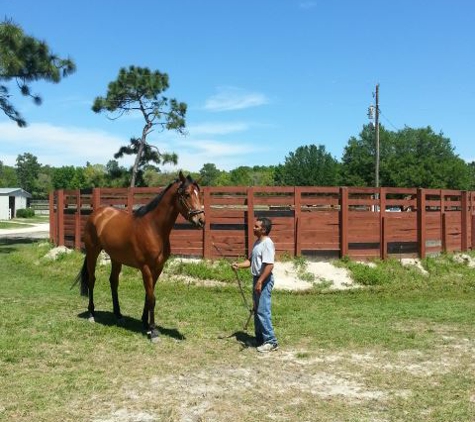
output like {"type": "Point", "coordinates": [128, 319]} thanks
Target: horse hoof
{"type": "Point", "coordinates": [154, 336]}
{"type": "Point", "coordinates": [91, 319]}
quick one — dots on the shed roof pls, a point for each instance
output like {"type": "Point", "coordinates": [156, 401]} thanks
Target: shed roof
{"type": "Point", "coordinates": [14, 192]}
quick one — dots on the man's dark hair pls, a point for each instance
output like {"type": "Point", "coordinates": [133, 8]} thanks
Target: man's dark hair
{"type": "Point", "coordinates": [266, 224]}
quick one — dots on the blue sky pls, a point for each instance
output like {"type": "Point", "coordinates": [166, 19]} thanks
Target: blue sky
{"type": "Point", "coordinates": [260, 77]}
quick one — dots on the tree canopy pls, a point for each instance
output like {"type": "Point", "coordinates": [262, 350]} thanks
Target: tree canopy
{"type": "Point", "coordinates": [359, 158]}
{"type": "Point", "coordinates": [209, 174]}
{"type": "Point", "coordinates": [28, 168]}
{"type": "Point", "coordinates": [138, 89]}
{"type": "Point", "coordinates": [8, 176]}
{"type": "Point", "coordinates": [309, 165]}
{"type": "Point", "coordinates": [408, 158]}
{"type": "Point", "coordinates": [23, 60]}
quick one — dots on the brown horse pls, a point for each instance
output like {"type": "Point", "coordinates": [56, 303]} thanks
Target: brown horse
{"type": "Point", "coordinates": [140, 240]}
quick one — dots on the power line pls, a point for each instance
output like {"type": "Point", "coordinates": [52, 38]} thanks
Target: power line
{"type": "Point", "coordinates": [389, 121]}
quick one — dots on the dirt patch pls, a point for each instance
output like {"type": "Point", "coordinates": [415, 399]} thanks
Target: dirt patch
{"type": "Point", "coordinates": [228, 392]}
{"type": "Point", "coordinates": [285, 382]}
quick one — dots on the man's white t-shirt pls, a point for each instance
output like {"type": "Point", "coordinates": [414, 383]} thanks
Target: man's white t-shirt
{"type": "Point", "coordinates": [263, 252]}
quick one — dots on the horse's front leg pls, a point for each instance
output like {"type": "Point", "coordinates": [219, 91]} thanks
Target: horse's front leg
{"type": "Point", "coordinates": [148, 316]}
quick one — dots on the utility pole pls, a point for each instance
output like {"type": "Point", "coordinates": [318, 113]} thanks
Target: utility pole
{"type": "Point", "coordinates": [376, 127]}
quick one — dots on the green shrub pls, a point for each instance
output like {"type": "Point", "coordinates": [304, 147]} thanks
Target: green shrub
{"type": "Point", "coordinates": [25, 213]}
{"type": "Point", "coordinates": [369, 276]}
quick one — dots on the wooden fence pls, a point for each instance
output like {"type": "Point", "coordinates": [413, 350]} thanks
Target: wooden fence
{"type": "Point", "coordinates": [361, 223]}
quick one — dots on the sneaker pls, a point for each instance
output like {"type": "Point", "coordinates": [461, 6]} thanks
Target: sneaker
{"type": "Point", "coordinates": [267, 347]}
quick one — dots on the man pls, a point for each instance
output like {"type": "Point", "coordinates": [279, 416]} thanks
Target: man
{"type": "Point", "coordinates": [262, 264]}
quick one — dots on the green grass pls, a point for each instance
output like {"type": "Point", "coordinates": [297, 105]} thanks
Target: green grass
{"type": "Point", "coordinates": [13, 225]}
{"type": "Point", "coordinates": [400, 349]}
{"type": "Point", "coordinates": [18, 223]}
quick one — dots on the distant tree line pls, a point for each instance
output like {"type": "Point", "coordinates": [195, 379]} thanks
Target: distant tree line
{"type": "Point", "coordinates": [408, 158]}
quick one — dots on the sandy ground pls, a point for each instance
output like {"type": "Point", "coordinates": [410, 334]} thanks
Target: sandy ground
{"type": "Point", "coordinates": [286, 276]}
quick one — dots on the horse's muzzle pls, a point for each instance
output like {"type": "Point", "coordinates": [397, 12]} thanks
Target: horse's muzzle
{"type": "Point", "coordinates": [198, 218]}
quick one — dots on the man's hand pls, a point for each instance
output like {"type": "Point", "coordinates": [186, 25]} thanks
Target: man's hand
{"type": "Point", "coordinates": [238, 265]}
{"type": "Point", "coordinates": [258, 287]}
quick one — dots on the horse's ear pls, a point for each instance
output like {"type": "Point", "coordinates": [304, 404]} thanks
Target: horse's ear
{"type": "Point", "coordinates": [180, 175]}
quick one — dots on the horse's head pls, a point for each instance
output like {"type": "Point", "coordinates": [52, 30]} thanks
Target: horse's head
{"type": "Point", "coordinates": [189, 203]}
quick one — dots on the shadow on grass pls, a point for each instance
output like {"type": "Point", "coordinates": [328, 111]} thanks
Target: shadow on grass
{"type": "Point", "coordinates": [132, 324]}
{"type": "Point", "coordinates": [9, 244]}
{"type": "Point", "coordinates": [243, 338]}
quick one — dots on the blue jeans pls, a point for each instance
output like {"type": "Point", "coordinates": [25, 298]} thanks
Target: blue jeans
{"type": "Point", "coordinates": [262, 316]}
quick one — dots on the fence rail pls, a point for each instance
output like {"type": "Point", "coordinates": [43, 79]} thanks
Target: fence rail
{"type": "Point", "coordinates": [361, 223]}
{"type": "Point", "coordinates": [40, 206]}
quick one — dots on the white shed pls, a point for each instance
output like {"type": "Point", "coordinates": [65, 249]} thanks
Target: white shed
{"type": "Point", "coordinates": [12, 200]}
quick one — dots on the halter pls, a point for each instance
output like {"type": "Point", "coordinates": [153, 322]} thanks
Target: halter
{"type": "Point", "coordinates": [190, 212]}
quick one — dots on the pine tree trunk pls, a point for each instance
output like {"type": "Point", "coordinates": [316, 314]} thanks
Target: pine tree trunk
{"type": "Point", "coordinates": [135, 169]}
{"type": "Point", "coordinates": [145, 132]}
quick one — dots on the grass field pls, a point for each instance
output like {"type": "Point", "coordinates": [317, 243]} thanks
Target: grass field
{"type": "Point", "coordinates": [19, 223]}
{"type": "Point", "coordinates": [400, 349]}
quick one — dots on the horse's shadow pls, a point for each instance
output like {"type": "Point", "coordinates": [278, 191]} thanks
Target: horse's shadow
{"type": "Point", "coordinates": [131, 324]}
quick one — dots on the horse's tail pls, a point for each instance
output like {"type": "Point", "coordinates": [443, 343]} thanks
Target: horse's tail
{"type": "Point", "coordinates": [83, 277]}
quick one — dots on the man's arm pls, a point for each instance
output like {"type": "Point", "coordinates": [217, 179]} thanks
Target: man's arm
{"type": "Point", "coordinates": [243, 264]}
{"type": "Point", "coordinates": [266, 272]}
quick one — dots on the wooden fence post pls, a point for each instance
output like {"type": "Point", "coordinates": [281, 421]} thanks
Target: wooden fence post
{"type": "Point", "coordinates": [77, 221]}
{"type": "Point", "coordinates": [250, 219]}
{"type": "Point", "coordinates": [444, 232]}
{"type": "Point", "coordinates": [343, 222]}
{"type": "Point", "coordinates": [384, 240]}
{"type": "Point", "coordinates": [60, 210]}
{"type": "Point", "coordinates": [96, 198]}
{"type": "Point", "coordinates": [297, 222]}
{"type": "Point", "coordinates": [207, 228]}
{"type": "Point", "coordinates": [130, 200]}
{"type": "Point", "coordinates": [464, 221]}
{"type": "Point", "coordinates": [421, 218]}
{"type": "Point", "coordinates": [472, 240]}
{"type": "Point", "coordinates": [383, 250]}
{"type": "Point", "coordinates": [53, 216]}
{"type": "Point", "coordinates": [443, 225]}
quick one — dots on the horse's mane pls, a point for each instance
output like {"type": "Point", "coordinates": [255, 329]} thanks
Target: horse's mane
{"type": "Point", "coordinates": [145, 209]}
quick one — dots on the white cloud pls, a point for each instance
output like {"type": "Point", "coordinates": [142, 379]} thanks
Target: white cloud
{"type": "Point", "coordinates": [232, 98]}
{"type": "Point", "coordinates": [307, 5]}
{"type": "Point", "coordinates": [65, 146]}
{"type": "Point", "coordinates": [57, 145]}
{"type": "Point", "coordinates": [194, 152]}
{"type": "Point", "coordinates": [217, 128]}
{"type": "Point", "coordinates": [214, 149]}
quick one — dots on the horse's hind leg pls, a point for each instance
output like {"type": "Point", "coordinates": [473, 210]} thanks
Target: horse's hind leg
{"type": "Point", "coordinates": [114, 282]}
{"type": "Point", "coordinates": [91, 256]}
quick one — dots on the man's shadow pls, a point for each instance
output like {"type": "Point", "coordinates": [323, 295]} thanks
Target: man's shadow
{"type": "Point", "coordinates": [131, 324]}
{"type": "Point", "coordinates": [243, 338]}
